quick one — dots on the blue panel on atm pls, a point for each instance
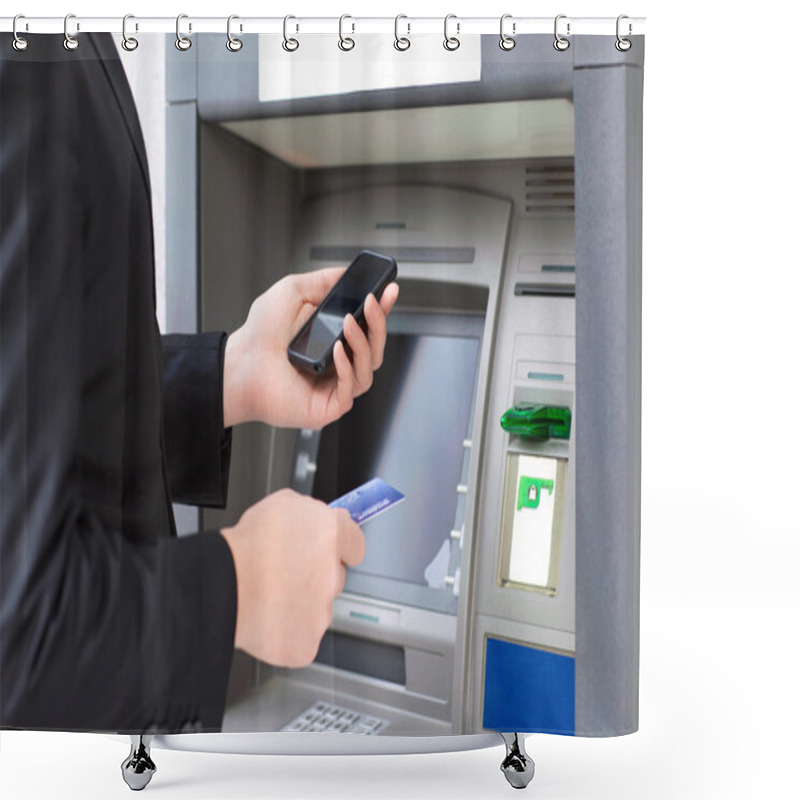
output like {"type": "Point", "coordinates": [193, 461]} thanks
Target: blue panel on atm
{"type": "Point", "coordinates": [527, 690]}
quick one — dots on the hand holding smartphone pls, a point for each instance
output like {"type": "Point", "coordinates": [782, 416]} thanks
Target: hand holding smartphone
{"type": "Point", "coordinates": [369, 273]}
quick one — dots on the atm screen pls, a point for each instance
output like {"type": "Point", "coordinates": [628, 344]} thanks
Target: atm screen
{"type": "Point", "coordinates": [409, 429]}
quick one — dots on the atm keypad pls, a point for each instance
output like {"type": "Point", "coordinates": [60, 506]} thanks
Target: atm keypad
{"type": "Point", "coordinates": [322, 716]}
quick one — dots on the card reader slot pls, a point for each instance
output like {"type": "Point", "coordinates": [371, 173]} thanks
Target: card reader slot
{"type": "Point", "coordinates": [543, 290]}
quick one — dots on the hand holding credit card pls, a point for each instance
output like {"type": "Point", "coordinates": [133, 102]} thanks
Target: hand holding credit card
{"type": "Point", "coordinates": [368, 500]}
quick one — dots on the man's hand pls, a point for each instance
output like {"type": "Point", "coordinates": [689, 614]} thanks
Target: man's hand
{"type": "Point", "coordinates": [289, 552]}
{"type": "Point", "coordinates": [260, 384]}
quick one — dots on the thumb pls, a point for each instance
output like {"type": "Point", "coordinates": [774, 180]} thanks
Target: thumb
{"type": "Point", "coordinates": [313, 286]}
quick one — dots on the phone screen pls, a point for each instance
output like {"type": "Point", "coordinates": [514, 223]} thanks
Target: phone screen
{"type": "Point", "coordinates": [361, 278]}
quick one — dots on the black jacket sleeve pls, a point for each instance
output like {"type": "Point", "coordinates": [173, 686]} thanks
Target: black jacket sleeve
{"type": "Point", "coordinates": [198, 446]}
{"type": "Point", "coordinates": [106, 622]}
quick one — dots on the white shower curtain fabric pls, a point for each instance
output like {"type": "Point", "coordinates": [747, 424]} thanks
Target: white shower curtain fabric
{"type": "Point", "coordinates": [167, 467]}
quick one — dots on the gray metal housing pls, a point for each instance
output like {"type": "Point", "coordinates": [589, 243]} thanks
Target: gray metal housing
{"type": "Point", "coordinates": [209, 84]}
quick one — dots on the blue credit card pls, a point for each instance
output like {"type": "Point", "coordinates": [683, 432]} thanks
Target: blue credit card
{"type": "Point", "coordinates": [368, 500]}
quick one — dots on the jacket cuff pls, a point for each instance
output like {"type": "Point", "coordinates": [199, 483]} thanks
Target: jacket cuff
{"type": "Point", "coordinates": [198, 446]}
{"type": "Point", "coordinates": [203, 607]}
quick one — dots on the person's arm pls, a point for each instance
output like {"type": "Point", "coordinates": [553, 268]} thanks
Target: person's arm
{"type": "Point", "coordinates": [197, 443]}
{"type": "Point", "coordinates": [97, 631]}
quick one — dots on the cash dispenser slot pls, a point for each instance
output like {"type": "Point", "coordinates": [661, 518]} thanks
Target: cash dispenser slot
{"type": "Point", "coordinates": [381, 660]}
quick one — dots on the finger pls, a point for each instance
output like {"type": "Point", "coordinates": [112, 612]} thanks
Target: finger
{"type": "Point", "coordinates": [350, 539]}
{"type": "Point", "coordinates": [313, 286]}
{"type": "Point", "coordinates": [389, 297]}
{"type": "Point", "coordinates": [362, 357]}
{"type": "Point", "coordinates": [341, 578]}
{"type": "Point", "coordinates": [345, 380]}
{"type": "Point", "coordinates": [376, 320]}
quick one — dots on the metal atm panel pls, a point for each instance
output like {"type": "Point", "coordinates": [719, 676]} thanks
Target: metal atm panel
{"type": "Point", "coordinates": [535, 337]}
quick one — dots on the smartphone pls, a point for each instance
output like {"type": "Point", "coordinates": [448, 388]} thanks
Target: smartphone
{"type": "Point", "coordinates": [312, 349]}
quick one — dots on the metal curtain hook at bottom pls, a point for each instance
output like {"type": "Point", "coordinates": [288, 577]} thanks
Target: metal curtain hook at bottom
{"type": "Point", "coordinates": [138, 768]}
{"type": "Point", "coordinates": [20, 43]}
{"type": "Point", "coordinates": [517, 766]}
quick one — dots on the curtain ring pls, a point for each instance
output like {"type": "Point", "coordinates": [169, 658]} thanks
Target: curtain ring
{"type": "Point", "coordinates": [233, 44]}
{"type": "Point", "coordinates": [345, 42]}
{"type": "Point", "coordinates": [19, 43]}
{"type": "Point", "coordinates": [560, 44]}
{"type": "Point", "coordinates": [129, 43]}
{"type": "Point", "coordinates": [289, 44]}
{"type": "Point", "coordinates": [70, 42]}
{"type": "Point", "coordinates": [401, 42]}
{"type": "Point", "coordinates": [451, 42]}
{"type": "Point", "coordinates": [623, 44]}
{"type": "Point", "coordinates": [506, 42]}
{"type": "Point", "coordinates": [181, 42]}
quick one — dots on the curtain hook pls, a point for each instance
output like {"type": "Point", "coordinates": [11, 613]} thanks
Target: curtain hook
{"type": "Point", "coordinates": [451, 42]}
{"type": "Point", "coordinates": [507, 42]}
{"type": "Point", "coordinates": [233, 44]}
{"type": "Point", "coordinates": [401, 42]}
{"type": "Point", "coordinates": [129, 43]}
{"type": "Point", "coordinates": [70, 42]}
{"type": "Point", "coordinates": [345, 42]}
{"type": "Point", "coordinates": [289, 44]}
{"type": "Point", "coordinates": [19, 43]}
{"type": "Point", "coordinates": [623, 44]}
{"type": "Point", "coordinates": [561, 43]}
{"type": "Point", "coordinates": [181, 42]}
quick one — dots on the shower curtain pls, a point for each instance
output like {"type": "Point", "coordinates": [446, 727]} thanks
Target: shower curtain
{"type": "Point", "coordinates": [170, 560]}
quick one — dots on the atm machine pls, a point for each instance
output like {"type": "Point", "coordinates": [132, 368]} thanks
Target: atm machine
{"type": "Point", "coordinates": [502, 595]}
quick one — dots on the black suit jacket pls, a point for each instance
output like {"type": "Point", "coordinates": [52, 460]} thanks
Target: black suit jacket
{"type": "Point", "coordinates": [108, 621]}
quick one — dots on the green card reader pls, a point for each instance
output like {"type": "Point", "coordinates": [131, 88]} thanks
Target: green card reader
{"type": "Point", "coordinates": [537, 421]}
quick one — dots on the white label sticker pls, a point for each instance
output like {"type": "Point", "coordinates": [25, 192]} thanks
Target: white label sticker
{"type": "Point", "coordinates": [532, 529]}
